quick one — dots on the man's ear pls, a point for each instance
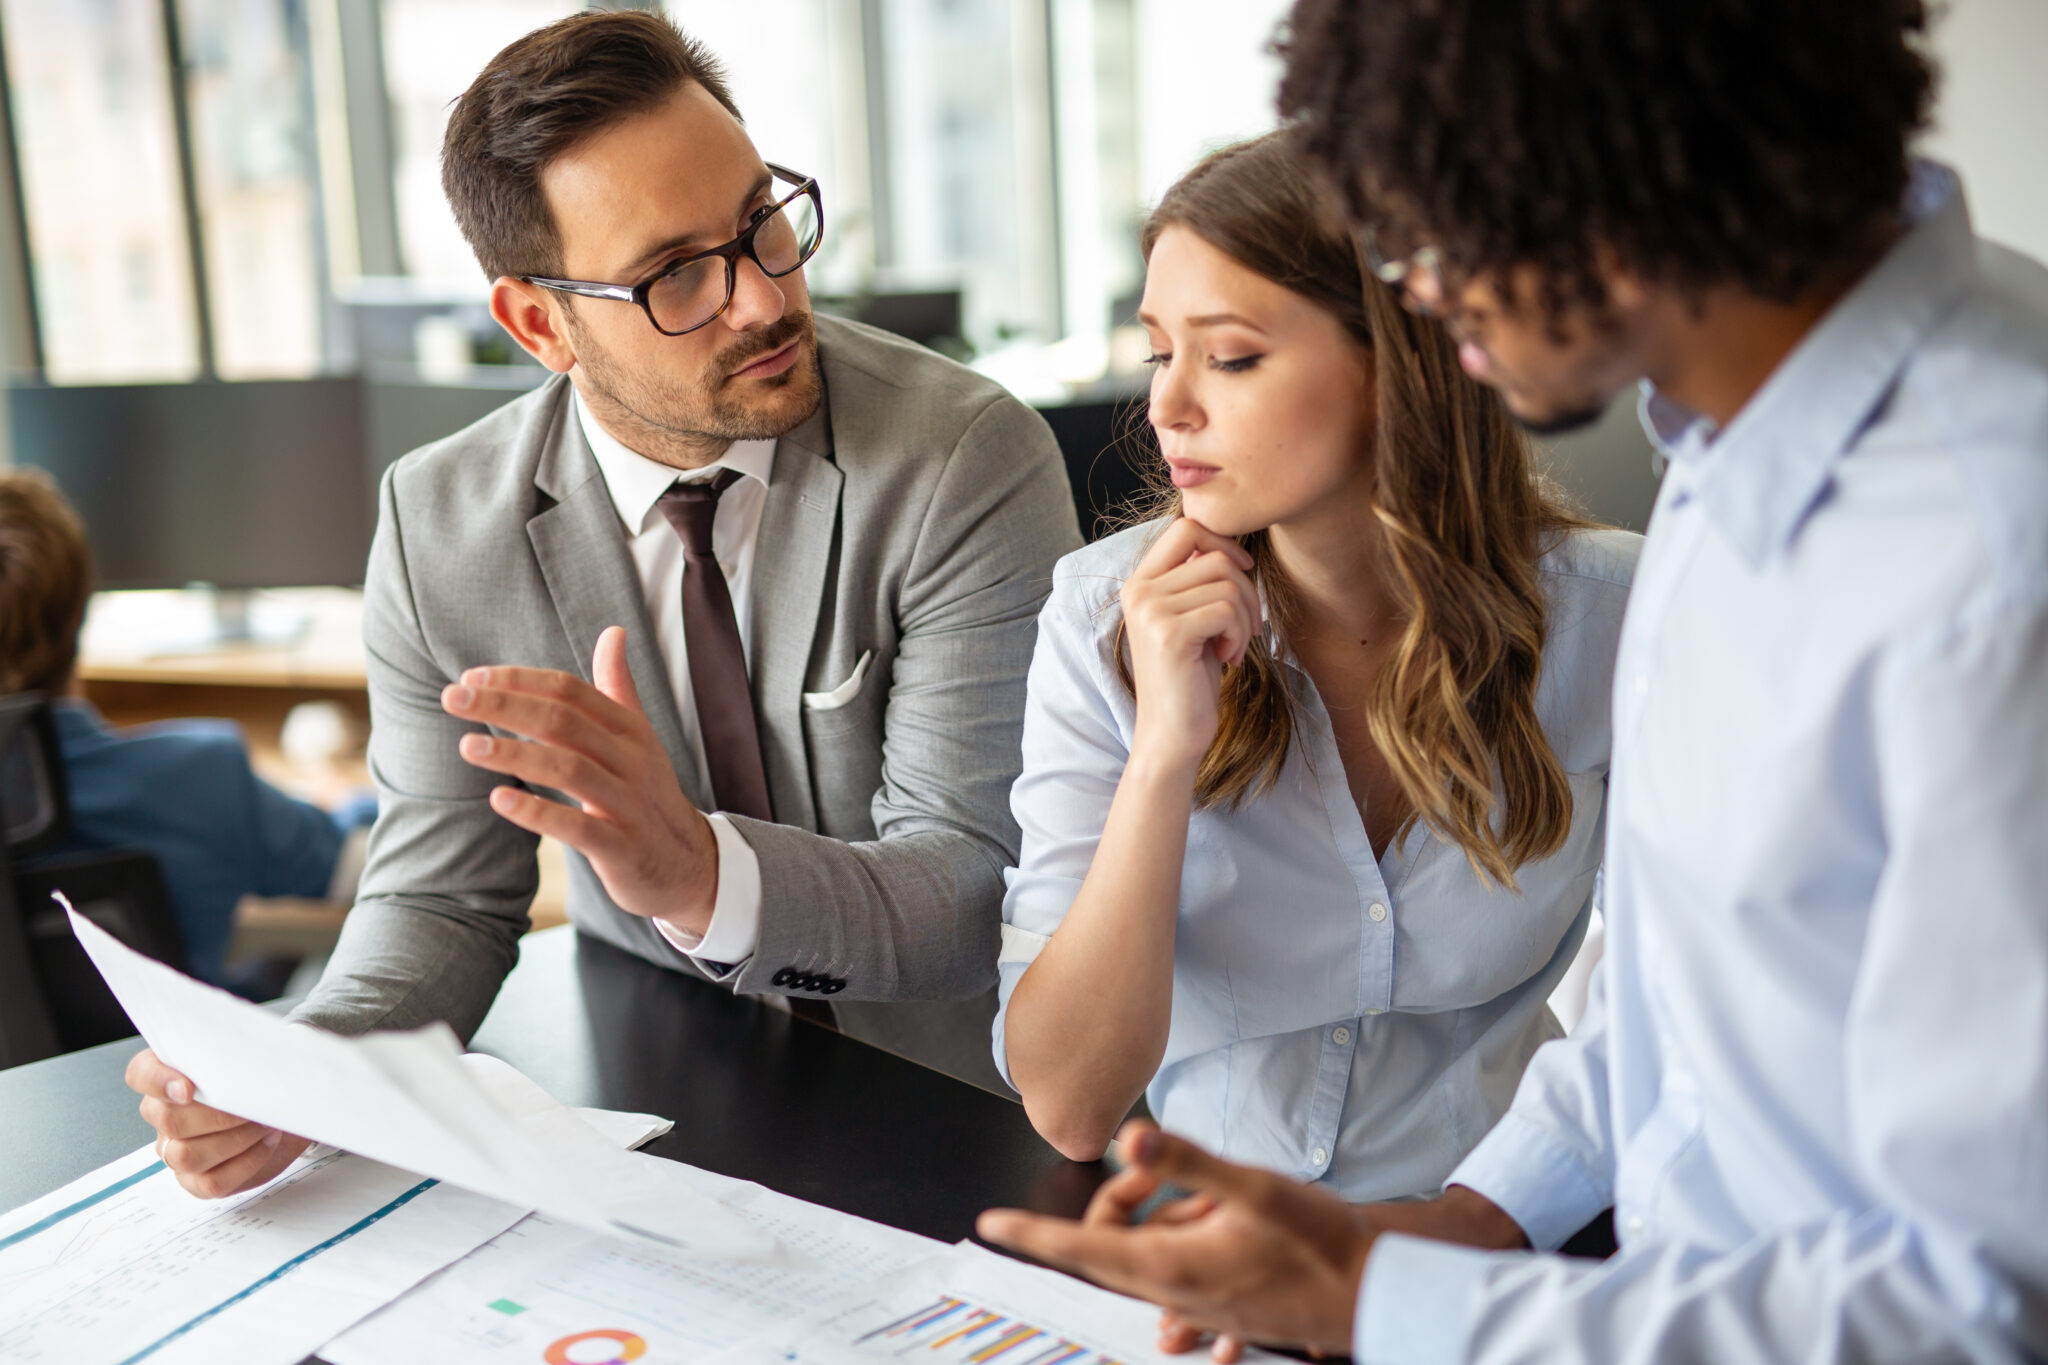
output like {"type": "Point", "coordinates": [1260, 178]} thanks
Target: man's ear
{"type": "Point", "coordinates": [1627, 291]}
{"type": "Point", "coordinates": [533, 317]}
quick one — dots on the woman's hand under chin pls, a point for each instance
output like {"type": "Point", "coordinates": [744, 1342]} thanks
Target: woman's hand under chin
{"type": "Point", "coordinates": [1189, 609]}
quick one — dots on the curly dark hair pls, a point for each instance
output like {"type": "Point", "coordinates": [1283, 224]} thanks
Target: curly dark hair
{"type": "Point", "coordinates": [1758, 142]}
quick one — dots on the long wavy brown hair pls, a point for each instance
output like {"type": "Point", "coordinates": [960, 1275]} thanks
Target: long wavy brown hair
{"type": "Point", "coordinates": [1466, 516]}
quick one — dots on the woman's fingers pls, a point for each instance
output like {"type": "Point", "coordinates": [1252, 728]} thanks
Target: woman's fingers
{"type": "Point", "coordinates": [1212, 615]}
{"type": "Point", "coordinates": [1158, 598]}
{"type": "Point", "coordinates": [1213, 566]}
{"type": "Point", "coordinates": [1184, 540]}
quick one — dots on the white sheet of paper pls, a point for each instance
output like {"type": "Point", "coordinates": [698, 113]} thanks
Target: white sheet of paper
{"type": "Point", "coordinates": [123, 1265]}
{"type": "Point", "coordinates": [406, 1100]}
{"type": "Point", "coordinates": [969, 1306]}
{"type": "Point", "coordinates": [547, 1291]}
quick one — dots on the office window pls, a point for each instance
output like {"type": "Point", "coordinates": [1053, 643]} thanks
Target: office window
{"type": "Point", "coordinates": [433, 49]}
{"type": "Point", "coordinates": [96, 139]}
{"type": "Point", "coordinates": [1096, 152]}
{"type": "Point", "coordinates": [255, 177]}
{"type": "Point", "coordinates": [796, 72]}
{"type": "Point", "coordinates": [966, 145]}
{"type": "Point", "coordinates": [1205, 77]}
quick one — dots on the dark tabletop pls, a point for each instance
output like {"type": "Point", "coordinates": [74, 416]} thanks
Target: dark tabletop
{"type": "Point", "coordinates": [754, 1093]}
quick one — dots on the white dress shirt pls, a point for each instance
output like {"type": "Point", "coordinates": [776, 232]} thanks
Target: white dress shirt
{"type": "Point", "coordinates": [1338, 1016]}
{"type": "Point", "coordinates": [1813, 1078]}
{"type": "Point", "coordinates": [636, 484]}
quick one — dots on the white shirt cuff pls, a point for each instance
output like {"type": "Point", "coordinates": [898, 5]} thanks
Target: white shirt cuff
{"type": "Point", "coordinates": [735, 928]}
{"type": "Point", "coordinates": [1534, 1179]}
{"type": "Point", "coordinates": [1415, 1303]}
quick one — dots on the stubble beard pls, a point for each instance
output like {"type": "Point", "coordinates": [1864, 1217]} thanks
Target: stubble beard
{"type": "Point", "coordinates": [1565, 422]}
{"type": "Point", "coordinates": [690, 424]}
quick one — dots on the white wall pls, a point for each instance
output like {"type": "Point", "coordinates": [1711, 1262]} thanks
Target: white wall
{"type": "Point", "coordinates": [1991, 116]}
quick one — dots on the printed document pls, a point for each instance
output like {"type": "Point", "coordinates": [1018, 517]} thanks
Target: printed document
{"type": "Point", "coordinates": [549, 1292]}
{"type": "Point", "coordinates": [405, 1099]}
{"type": "Point", "coordinates": [968, 1307]}
{"type": "Point", "coordinates": [125, 1266]}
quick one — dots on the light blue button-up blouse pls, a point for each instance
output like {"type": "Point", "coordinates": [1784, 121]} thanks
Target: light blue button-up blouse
{"type": "Point", "coordinates": [1337, 1017]}
{"type": "Point", "coordinates": [1813, 1080]}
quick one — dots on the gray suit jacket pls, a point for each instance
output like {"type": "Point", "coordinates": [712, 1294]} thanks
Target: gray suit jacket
{"type": "Point", "coordinates": [917, 515]}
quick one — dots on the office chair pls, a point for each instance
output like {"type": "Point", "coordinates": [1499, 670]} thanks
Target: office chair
{"type": "Point", "coordinates": [52, 999]}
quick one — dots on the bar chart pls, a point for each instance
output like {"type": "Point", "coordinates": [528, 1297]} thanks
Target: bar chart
{"type": "Point", "coordinates": [958, 1332]}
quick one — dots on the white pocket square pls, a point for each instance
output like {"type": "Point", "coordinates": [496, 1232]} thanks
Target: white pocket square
{"type": "Point", "coordinates": [845, 692]}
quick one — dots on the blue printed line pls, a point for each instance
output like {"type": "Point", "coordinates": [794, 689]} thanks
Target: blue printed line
{"type": "Point", "coordinates": [336, 1240]}
{"type": "Point", "coordinates": [81, 1206]}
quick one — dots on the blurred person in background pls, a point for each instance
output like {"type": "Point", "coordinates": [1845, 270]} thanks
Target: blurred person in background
{"type": "Point", "coordinates": [183, 790]}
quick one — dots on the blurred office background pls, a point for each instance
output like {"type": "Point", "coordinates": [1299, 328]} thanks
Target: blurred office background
{"type": "Point", "coordinates": [231, 291]}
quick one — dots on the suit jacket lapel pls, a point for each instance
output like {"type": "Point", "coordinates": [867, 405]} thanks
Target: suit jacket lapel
{"type": "Point", "coordinates": [583, 556]}
{"type": "Point", "coordinates": [792, 583]}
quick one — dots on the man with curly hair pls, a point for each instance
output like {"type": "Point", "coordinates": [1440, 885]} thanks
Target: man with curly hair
{"type": "Point", "coordinates": [1813, 1085]}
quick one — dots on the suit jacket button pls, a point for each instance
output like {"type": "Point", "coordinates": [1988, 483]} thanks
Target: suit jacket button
{"type": "Point", "coordinates": [782, 978]}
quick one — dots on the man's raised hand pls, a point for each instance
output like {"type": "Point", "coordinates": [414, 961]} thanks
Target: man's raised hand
{"type": "Point", "coordinates": [648, 843]}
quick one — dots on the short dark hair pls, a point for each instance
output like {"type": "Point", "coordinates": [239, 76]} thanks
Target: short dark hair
{"type": "Point", "coordinates": [1756, 142]}
{"type": "Point", "coordinates": [45, 579]}
{"type": "Point", "coordinates": [540, 97]}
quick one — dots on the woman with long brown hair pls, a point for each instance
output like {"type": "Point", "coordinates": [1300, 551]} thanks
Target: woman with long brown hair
{"type": "Point", "coordinates": [1315, 761]}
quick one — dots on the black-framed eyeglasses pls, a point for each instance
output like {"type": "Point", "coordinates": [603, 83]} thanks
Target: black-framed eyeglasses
{"type": "Point", "coordinates": [687, 294]}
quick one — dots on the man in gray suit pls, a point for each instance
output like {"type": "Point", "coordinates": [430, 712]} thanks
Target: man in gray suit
{"type": "Point", "coordinates": [825, 643]}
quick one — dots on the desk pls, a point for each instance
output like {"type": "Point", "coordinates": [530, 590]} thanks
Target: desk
{"type": "Point", "coordinates": [755, 1093]}
{"type": "Point", "coordinates": [256, 686]}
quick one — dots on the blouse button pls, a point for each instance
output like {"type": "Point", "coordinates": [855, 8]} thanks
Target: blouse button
{"type": "Point", "coordinates": [1376, 912]}
{"type": "Point", "coordinates": [1320, 1155]}
{"type": "Point", "coordinates": [1340, 1035]}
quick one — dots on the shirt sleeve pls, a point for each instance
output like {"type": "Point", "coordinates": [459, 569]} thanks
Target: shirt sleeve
{"type": "Point", "coordinates": [1944, 1079]}
{"type": "Point", "coordinates": [1549, 1162]}
{"type": "Point", "coordinates": [1074, 754]}
{"type": "Point", "coordinates": [735, 927]}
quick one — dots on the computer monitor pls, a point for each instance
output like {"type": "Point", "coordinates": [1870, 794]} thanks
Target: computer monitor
{"type": "Point", "coordinates": [238, 485]}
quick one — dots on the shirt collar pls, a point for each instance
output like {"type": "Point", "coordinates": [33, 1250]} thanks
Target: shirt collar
{"type": "Point", "coordinates": [1761, 475]}
{"type": "Point", "coordinates": [636, 482]}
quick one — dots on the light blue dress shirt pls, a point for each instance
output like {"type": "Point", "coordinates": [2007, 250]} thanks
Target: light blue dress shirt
{"type": "Point", "coordinates": [1816, 1089]}
{"type": "Point", "coordinates": [1335, 1016]}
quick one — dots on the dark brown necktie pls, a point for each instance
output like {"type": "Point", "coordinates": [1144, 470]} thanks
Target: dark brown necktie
{"type": "Point", "coordinates": [718, 666]}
